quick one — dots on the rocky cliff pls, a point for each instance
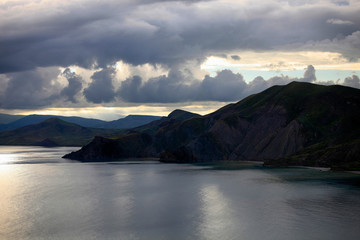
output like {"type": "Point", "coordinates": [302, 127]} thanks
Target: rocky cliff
{"type": "Point", "coordinates": [299, 124]}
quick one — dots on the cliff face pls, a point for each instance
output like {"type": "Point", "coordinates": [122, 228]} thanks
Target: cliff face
{"type": "Point", "coordinates": [299, 119]}
{"type": "Point", "coordinates": [266, 135]}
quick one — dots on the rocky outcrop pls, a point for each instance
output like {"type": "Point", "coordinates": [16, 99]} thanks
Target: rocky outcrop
{"type": "Point", "coordinates": [133, 145]}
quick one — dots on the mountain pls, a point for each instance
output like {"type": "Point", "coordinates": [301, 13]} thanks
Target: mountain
{"type": "Point", "coordinates": [175, 116]}
{"type": "Point", "coordinates": [122, 123]}
{"type": "Point", "coordinates": [132, 143]}
{"type": "Point", "coordinates": [35, 119]}
{"type": "Point", "coordinates": [53, 132]}
{"type": "Point", "coordinates": [6, 118]}
{"type": "Point", "coordinates": [129, 121]}
{"type": "Point", "coordinates": [296, 124]}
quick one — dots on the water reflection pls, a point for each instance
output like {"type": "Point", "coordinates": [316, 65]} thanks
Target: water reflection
{"type": "Point", "coordinates": [6, 158]}
{"type": "Point", "coordinates": [56, 199]}
{"type": "Point", "coordinates": [33, 155]}
{"type": "Point", "coordinates": [216, 214]}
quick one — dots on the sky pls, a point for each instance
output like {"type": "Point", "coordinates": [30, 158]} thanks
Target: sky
{"type": "Point", "coordinates": [111, 58]}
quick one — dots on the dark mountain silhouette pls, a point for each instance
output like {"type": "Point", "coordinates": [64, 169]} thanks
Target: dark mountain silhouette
{"type": "Point", "coordinates": [35, 119]}
{"type": "Point", "coordinates": [53, 132]}
{"type": "Point", "coordinates": [132, 143]}
{"type": "Point", "coordinates": [129, 121]}
{"type": "Point", "coordinates": [122, 123]}
{"type": "Point", "coordinates": [296, 124]}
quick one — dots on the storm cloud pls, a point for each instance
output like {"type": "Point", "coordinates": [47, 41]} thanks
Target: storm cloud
{"type": "Point", "coordinates": [226, 86]}
{"type": "Point", "coordinates": [74, 85]}
{"type": "Point", "coordinates": [31, 89]}
{"type": "Point", "coordinates": [101, 89]}
{"type": "Point", "coordinates": [92, 33]}
{"type": "Point", "coordinates": [39, 39]}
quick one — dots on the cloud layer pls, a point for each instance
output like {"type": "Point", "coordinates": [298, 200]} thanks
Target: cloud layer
{"type": "Point", "coordinates": [42, 41]}
{"type": "Point", "coordinates": [88, 33]}
{"type": "Point", "coordinates": [37, 91]}
{"type": "Point", "coordinates": [226, 86]}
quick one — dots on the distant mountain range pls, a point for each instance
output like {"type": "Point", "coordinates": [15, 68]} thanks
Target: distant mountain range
{"type": "Point", "coordinates": [53, 132]}
{"type": "Point", "coordinates": [11, 122]}
{"type": "Point", "coordinates": [296, 124]}
{"type": "Point", "coordinates": [6, 118]}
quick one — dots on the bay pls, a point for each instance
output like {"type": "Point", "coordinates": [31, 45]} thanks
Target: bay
{"type": "Point", "coordinates": [43, 196]}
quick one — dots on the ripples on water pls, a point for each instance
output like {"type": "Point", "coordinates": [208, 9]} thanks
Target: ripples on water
{"type": "Point", "coordinates": [46, 197]}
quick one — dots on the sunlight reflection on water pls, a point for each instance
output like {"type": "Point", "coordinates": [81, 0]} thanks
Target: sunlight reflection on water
{"type": "Point", "coordinates": [7, 158]}
{"type": "Point", "coordinates": [61, 199]}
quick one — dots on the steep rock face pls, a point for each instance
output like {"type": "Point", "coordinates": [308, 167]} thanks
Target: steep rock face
{"type": "Point", "coordinates": [227, 136]}
{"type": "Point", "coordinates": [231, 137]}
{"type": "Point", "coordinates": [297, 123]}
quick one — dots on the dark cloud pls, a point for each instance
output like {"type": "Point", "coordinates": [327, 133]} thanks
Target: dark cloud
{"type": "Point", "coordinates": [165, 32]}
{"type": "Point", "coordinates": [31, 89]}
{"type": "Point", "coordinates": [162, 89]}
{"type": "Point", "coordinates": [41, 87]}
{"type": "Point", "coordinates": [74, 85]}
{"type": "Point", "coordinates": [259, 84]}
{"type": "Point", "coordinates": [353, 81]}
{"type": "Point", "coordinates": [235, 57]}
{"type": "Point", "coordinates": [101, 89]}
{"type": "Point", "coordinates": [95, 34]}
{"type": "Point", "coordinates": [226, 86]}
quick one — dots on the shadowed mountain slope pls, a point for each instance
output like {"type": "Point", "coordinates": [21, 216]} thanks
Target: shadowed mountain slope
{"type": "Point", "coordinates": [295, 124]}
{"type": "Point", "coordinates": [130, 121]}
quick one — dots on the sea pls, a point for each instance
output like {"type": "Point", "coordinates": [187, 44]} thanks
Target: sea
{"type": "Point", "coordinates": [43, 196]}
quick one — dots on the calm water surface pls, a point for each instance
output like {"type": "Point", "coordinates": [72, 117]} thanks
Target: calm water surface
{"type": "Point", "coordinates": [45, 197]}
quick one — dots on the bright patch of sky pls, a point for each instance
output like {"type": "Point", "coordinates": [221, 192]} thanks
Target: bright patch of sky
{"type": "Point", "coordinates": [321, 75]}
{"type": "Point", "coordinates": [114, 113]}
{"type": "Point", "coordinates": [329, 66]}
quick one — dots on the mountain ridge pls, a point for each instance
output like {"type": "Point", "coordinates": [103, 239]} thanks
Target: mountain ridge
{"type": "Point", "coordinates": [53, 132]}
{"type": "Point", "coordinates": [7, 118]}
{"type": "Point", "coordinates": [276, 125]}
{"type": "Point", "coordinates": [129, 121]}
